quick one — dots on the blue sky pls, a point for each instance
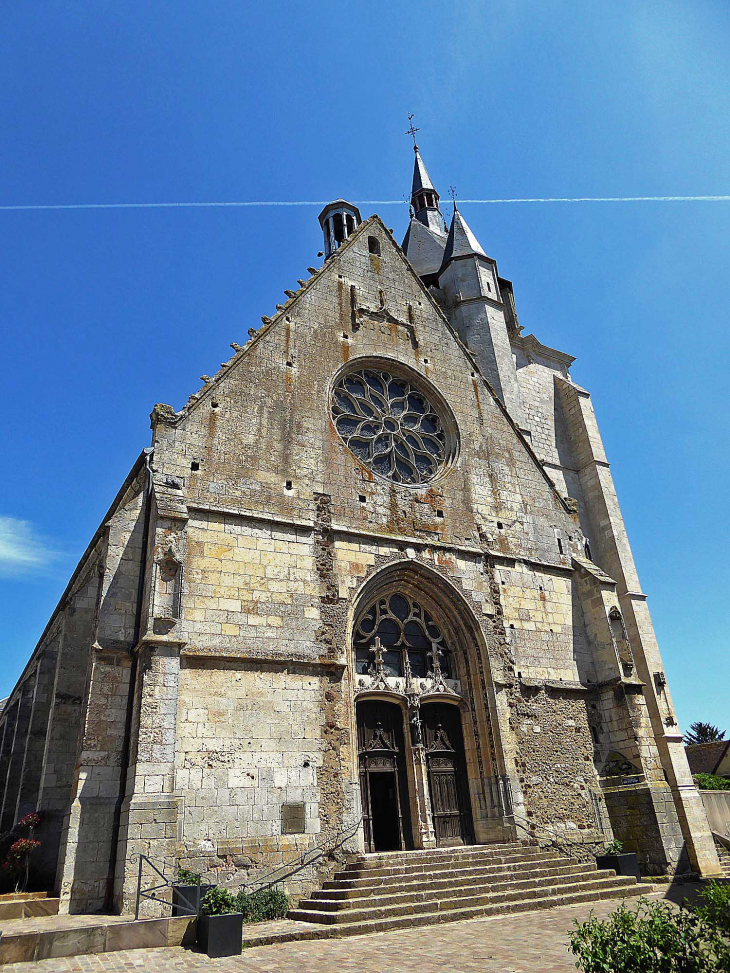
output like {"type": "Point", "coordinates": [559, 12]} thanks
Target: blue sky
{"type": "Point", "coordinates": [105, 312]}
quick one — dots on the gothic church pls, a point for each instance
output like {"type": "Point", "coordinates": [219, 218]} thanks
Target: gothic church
{"type": "Point", "coordinates": [370, 585]}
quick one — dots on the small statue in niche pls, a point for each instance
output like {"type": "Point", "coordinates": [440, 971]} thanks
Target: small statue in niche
{"type": "Point", "coordinates": [168, 587]}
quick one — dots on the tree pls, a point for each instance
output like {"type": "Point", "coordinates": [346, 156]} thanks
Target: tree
{"type": "Point", "coordinates": [703, 733]}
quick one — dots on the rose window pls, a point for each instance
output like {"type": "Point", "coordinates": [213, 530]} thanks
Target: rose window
{"type": "Point", "coordinates": [404, 628]}
{"type": "Point", "coordinates": [390, 425]}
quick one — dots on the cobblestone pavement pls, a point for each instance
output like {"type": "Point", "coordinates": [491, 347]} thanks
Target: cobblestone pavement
{"type": "Point", "coordinates": [532, 942]}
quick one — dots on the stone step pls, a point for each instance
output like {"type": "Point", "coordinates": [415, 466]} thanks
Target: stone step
{"type": "Point", "coordinates": [33, 939]}
{"type": "Point", "coordinates": [413, 859]}
{"type": "Point", "coordinates": [346, 880]}
{"type": "Point", "coordinates": [349, 890]}
{"type": "Point", "coordinates": [471, 900]}
{"type": "Point", "coordinates": [473, 912]}
{"type": "Point", "coordinates": [421, 866]}
{"type": "Point", "coordinates": [25, 907]}
{"type": "Point", "coordinates": [22, 896]}
{"type": "Point", "coordinates": [329, 901]}
{"type": "Point", "coordinates": [458, 851]}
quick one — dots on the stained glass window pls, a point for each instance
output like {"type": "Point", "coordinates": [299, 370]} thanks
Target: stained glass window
{"type": "Point", "coordinates": [390, 425]}
{"type": "Point", "coordinates": [403, 627]}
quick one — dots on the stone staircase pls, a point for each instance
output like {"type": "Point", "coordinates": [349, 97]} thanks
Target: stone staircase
{"type": "Point", "coordinates": [393, 889]}
{"type": "Point", "coordinates": [723, 854]}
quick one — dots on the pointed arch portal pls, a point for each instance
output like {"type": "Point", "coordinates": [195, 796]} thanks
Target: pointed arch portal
{"type": "Point", "coordinates": [428, 753]}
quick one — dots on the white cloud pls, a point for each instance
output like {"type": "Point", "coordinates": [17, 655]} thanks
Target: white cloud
{"type": "Point", "coordinates": [22, 549]}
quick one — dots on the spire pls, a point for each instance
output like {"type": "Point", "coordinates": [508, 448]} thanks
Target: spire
{"type": "Point", "coordinates": [424, 198]}
{"type": "Point", "coordinates": [421, 178]}
{"type": "Point", "coordinates": [461, 242]}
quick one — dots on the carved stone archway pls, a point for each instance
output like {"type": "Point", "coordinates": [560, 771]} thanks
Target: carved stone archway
{"type": "Point", "coordinates": [444, 662]}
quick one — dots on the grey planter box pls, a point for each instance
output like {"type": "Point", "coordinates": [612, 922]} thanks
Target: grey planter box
{"type": "Point", "coordinates": [184, 898]}
{"type": "Point", "coordinates": [624, 864]}
{"type": "Point", "coordinates": [221, 935]}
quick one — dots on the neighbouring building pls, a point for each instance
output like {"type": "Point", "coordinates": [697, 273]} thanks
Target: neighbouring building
{"type": "Point", "coordinates": [371, 580]}
{"type": "Point", "coordinates": [710, 758]}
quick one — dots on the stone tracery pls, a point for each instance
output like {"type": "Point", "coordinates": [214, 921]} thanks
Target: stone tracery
{"type": "Point", "coordinates": [410, 637]}
{"type": "Point", "coordinates": [390, 425]}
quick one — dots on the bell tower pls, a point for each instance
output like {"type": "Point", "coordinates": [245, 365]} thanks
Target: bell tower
{"type": "Point", "coordinates": [338, 221]}
{"type": "Point", "coordinates": [469, 280]}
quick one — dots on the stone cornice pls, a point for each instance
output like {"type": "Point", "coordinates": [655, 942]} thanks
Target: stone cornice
{"type": "Point", "coordinates": [530, 343]}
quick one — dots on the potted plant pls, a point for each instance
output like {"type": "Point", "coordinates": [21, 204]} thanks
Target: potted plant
{"type": "Point", "coordinates": [188, 893]}
{"type": "Point", "coordinates": [622, 862]}
{"type": "Point", "coordinates": [17, 850]}
{"type": "Point", "coordinates": [220, 927]}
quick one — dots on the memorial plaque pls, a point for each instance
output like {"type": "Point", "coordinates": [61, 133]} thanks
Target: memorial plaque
{"type": "Point", "coordinates": [292, 819]}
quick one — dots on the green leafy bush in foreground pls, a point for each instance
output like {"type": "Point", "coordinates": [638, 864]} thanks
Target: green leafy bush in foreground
{"type": "Point", "coordinates": [658, 938]}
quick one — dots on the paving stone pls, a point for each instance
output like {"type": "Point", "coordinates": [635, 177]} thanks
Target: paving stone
{"type": "Point", "coordinates": [534, 943]}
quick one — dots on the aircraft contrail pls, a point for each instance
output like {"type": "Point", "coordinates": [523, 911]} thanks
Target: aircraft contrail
{"type": "Point", "coordinates": [362, 202]}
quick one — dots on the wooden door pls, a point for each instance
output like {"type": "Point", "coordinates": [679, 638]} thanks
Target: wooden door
{"type": "Point", "coordinates": [450, 806]}
{"type": "Point", "coordinates": [383, 783]}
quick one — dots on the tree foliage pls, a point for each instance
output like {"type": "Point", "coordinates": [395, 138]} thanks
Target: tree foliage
{"type": "Point", "coordinates": [703, 733]}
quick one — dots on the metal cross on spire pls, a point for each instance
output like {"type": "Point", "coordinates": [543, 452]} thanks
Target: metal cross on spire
{"type": "Point", "coordinates": [452, 193]}
{"type": "Point", "coordinates": [412, 130]}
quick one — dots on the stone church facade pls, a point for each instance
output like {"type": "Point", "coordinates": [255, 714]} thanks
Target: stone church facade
{"type": "Point", "coordinates": [370, 585]}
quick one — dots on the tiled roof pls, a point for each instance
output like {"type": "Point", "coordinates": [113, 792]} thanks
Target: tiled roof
{"type": "Point", "coordinates": [705, 758]}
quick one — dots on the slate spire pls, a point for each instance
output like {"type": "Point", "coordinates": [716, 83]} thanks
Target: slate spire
{"type": "Point", "coordinates": [461, 241]}
{"type": "Point", "coordinates": [424, 198]}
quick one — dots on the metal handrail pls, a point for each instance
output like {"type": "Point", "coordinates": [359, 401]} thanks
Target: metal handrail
{"type": "Point", "coordinates": [287, 869]}
{"type": "Point", "coordinates": [301, 862]}
{"type": "Point", "coordinates": [529, 827]}
{"type": "Point", "coordinates": [149, 893]}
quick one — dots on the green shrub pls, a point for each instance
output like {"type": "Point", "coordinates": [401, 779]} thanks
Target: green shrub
{"type": "Point", "coordinates": [715, 909]}
{"type": "Point", "coordinates": [615, 848]}
{"type": "Point", "coordinates": [656, 938]}
{"type": "Point", "coordinates": [218, 902]}
{"type": "Point", "coordinates": [711, 782]}
{"type": "Point", "coordinates": [263, 905]}
{"type": "Point", "coordinates": [186, 877]}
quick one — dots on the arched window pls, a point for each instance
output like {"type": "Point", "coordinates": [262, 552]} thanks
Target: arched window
{"type": "Point", "coordinates": [374, 245]}
{"type": "Point", "coordinates": [405, 629]}
{"type": "Point", "coordinates": [339, 228]}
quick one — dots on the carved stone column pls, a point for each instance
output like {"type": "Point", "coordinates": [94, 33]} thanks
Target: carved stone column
{"type": "Point", "coordinates": [424, 836]}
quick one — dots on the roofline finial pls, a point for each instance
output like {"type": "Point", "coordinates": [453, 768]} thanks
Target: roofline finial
{"type": "Point", "coordinates": [412, 131]}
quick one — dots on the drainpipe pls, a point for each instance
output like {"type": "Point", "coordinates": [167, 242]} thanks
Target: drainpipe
{"type": "Point", "coordinates": [124, 767]}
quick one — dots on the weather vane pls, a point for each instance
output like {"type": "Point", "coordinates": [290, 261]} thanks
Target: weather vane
{"type": "Point", "coordinates": [452, 193]}
{"type": "Point", "coordinates": [412, 130]}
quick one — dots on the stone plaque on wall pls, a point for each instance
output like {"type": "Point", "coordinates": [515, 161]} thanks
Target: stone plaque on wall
{"type": "Point", "coordinates": [292, 819]}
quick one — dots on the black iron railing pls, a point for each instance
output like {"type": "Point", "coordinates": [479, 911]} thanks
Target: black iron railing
{"type": "Point", "coordinates": [166, 883]}
{"type": "Point", "coordinates": [276, 876]}
{"type": "Point", "coordinates": [539, 834]}
{"type": "Point", "coordinates": [308, 858]}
